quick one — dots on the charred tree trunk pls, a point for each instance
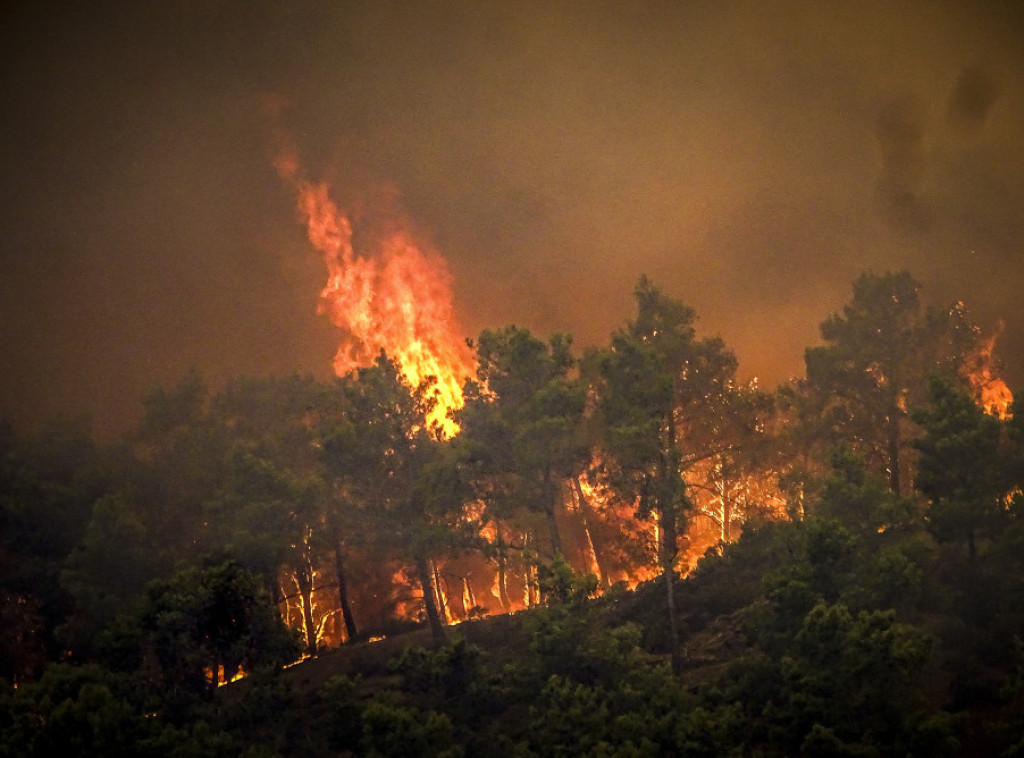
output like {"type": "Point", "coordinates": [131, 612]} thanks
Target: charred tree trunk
{"type": "Point", "coordinates": [427, 583]}
{"type": "Point", "coordinates": [346, 607]}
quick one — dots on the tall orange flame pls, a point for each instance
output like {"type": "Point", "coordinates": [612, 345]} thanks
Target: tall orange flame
{"type": "Point", "coordinates": [981, 371]}
{"type": "Point", "coordinates": [395, 296]}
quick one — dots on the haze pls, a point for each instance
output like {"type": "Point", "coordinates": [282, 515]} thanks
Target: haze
{"type": "Point", "coordinates": [751, 158]}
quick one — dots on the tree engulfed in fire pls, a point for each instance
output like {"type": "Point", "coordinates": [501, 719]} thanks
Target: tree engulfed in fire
{"type": "Point", "coordinates": [990, 391]}
{"type": "Point", "coordinates": [393, 297]}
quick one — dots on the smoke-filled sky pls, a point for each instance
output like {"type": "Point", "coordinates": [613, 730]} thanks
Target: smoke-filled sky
{"type": "Point", "coordinates": [751, 157]}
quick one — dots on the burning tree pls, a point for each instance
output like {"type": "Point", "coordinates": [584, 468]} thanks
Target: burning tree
{"type": "Point", "coordinates": [663, 397]}
{"type": "Point", "coordinates": [397, 473]}
{"type": "Point", "coordinates": [874, 368]}
{"type": "Point", "coordinates": [390, 294]}
{"type": "Point", "coordinates": [521, 436]}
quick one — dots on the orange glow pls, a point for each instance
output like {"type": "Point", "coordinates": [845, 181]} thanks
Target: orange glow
{"type": "Point", "coordinates": [990, 391]}
{"type": "Point", "coordinates": [405, 607]}
{"type": "Point", "coordinates": [725, 502]}
{"type": "Point", "coordinates": [386, 290]}
{"type": "Point", "coordinates": [619, 520]}
{"type": "Point", "coordinates": [322, 610]}
{"type": "Point", "coordinates": [223, 678]}
{"type": "Point", "coordinates": [394, 294]}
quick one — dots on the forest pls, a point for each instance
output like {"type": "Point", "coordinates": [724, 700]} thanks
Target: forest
{"type": "Point", "coordinates": [619, 551]}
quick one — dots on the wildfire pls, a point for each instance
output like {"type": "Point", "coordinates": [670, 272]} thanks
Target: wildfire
{"type": "Point", "coordinates": [990, 390]}
{"type": "Point", "coordinates": [223, 678]}
{"type": "Point", "coordinates": [621, 527]}
{"type": "Point", "coordinates": [393, 294]}
{"type": "Point", "coordinates": [386, 290]}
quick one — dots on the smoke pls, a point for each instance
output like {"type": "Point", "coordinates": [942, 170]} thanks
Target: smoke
{"type": "Point", "coordinates": [901, 130]}
{"type": "Point", "coordinates": [974, 95]}
{"type": "Point", "coordinates": [751, 158]}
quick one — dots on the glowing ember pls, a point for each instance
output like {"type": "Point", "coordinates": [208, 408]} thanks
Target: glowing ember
{"type": "Point", "coordinates": [394, 296]}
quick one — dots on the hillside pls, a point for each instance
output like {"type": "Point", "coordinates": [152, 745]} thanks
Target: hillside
{"type": "Point", "coordinates": [849, 554]}
{"type": "Point", "coordinates": [772, 666]}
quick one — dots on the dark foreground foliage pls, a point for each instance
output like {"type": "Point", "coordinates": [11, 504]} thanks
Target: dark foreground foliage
{"type": "Point", "coordinates": [781, 658]}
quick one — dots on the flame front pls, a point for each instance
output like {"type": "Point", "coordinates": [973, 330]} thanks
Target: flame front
{"type": "Point", "coordinates": [396, 297]}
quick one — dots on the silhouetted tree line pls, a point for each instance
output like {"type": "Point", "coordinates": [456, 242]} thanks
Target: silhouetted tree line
{"type": "Point", "coordinates": [860, 590]}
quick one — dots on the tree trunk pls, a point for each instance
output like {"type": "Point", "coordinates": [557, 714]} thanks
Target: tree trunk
{"type": "Point", "coordinates": [427, 583]}
{"type": "Point", "coordinates": [588, 514]}
{"type": "Point", "coordinates": [893, 449]}
{"type": "Point", "coordinates": [304, 581]}
{"type": "Point", "coordinates": [503, 598]}
{"type": "Point", "coordinates": [668, 568]}
{"type": "Point", "coordinates": [443, 606]}
{"type": "Point", "coordinates": [346, 608]}
{"type": "Point", "coordinates": [550, 504]}
{"type": "Point", "coordinates": [531, 587]}
{"type": "Point", "coordinates": [468, 597]}
{"type": "Point", "coordinates": [670, 497]}
{"type": "Point", "coordinates": [274, 588]}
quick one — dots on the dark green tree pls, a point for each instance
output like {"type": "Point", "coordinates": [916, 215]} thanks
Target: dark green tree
{"type": "Point", "coordinates": [75, 710]}
{"type": "Point", "coordinates": [180, 452]}
{"type": "Point", "coordinates": [852, 676]}
{"type": "Point", "coordinates": [962, 469]}
{"type": "Point", "coordinates": [107, 573]}
{"type": "Point", "coordinates": [874, 368]}
{"type": "Point", "coordinates": [661, 396]}
{"type": "Point", "coordinates": [241, 470]}
{"type": "Point", "coordinates": [272, 518]}
{"type": "Point", "coordinates": [203, 625]}
{"type": "Point", "coordinates": [521, 439]}
{"type": "Point", "coordinates": [49, 483]}
{"type": "Point", "coordinates": [398, 477]}
{"type": "Point", "coordinates": [271, 501]}
{"type": "Point", "coordinates": [859, 498]}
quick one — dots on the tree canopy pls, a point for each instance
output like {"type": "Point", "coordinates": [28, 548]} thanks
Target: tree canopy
{"type": "Point", "coordinates": [832, 568]}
